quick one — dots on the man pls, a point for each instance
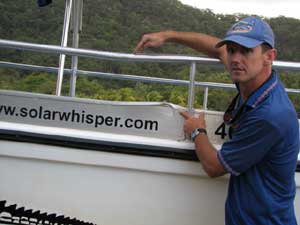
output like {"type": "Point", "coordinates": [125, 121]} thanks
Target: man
{"type": "Point", "coordinates": [261, 155]}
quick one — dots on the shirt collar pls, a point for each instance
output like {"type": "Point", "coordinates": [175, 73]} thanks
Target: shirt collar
{"type": "Point", "coordinates": [263, 91]}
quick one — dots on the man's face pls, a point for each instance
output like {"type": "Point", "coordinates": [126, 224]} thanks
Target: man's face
{"type": "Point", "coordinates": [244, 64]}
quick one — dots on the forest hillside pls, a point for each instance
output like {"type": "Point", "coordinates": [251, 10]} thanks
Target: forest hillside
{"type": "Point", "coordinates": [116, 26]}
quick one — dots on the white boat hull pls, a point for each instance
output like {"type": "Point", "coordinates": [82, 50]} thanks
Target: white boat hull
{"type": "Point", "coordinates": [109, 188]}
{"type": "Point", "coordinates": [48, 165]}
{"type": "Point", "coordinates": [112, 188]}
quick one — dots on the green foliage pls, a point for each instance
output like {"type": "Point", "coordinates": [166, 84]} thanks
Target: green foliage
{"type": "Point", "coordinates": [154, 96]}
{"type": "Point", "coordinates": [178, 97]}
{"type": "Point", "coordinates": [38, 82]}
{"type": "Point", "coordinates": [220, 99]}
{"type": "Point", "coordinates": [117, 25]}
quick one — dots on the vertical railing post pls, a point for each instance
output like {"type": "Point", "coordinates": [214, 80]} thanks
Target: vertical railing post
{"type": "Point", "coordinates": [76, 28]}
{"type": "Point", "coordinates": [205, 98]}
{"type": "Point", "coordinates": [64, 41]}
{"type": "Point", "coordinates": [191, 93]}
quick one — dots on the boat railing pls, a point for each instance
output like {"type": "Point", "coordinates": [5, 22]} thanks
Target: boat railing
{"type": "Point", "coordinates": [190, 61]}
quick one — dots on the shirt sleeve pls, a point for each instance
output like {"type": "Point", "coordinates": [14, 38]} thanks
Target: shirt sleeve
{"type": "Point", "coordinates": [250, 143]}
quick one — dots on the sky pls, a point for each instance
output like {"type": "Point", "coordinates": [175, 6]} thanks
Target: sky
{"type": "Point", "coordinates": [266, 8]}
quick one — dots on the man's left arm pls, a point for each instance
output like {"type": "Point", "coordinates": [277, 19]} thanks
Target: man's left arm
{"type": "Point", "coordinates": [205, 151]}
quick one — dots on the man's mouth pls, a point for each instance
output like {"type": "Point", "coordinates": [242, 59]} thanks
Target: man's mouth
{"type": "Point", "coordinates": [237, 69]}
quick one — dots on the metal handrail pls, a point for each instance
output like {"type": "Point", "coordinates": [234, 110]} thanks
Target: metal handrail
{"type": "Point", "coordinates": [178, 59]}
{"type": "Point", "coordinates": [115, 56]}
{"type": "Point", "coordinates": [147, 79]}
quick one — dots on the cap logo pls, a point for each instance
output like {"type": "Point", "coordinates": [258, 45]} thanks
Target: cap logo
{"type": "Point", "coordinates": [242, 27]}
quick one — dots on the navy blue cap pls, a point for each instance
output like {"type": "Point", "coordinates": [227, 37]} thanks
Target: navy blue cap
{"type": "Point", "coordinates": [249, 32]}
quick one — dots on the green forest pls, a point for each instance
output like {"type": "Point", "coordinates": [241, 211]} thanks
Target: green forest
{"type": "Point", "coordinates": [116, 26]}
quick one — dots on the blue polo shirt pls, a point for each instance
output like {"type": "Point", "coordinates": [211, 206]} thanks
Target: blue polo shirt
{"type": "Point", "coordinates": [261, 158]}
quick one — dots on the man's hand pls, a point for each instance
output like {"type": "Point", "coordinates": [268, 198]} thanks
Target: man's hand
{"type": "Point", "coordinates": [205, 151]}
{"type": "Point", "coordinates": [152, 40]}
{"type": "Point", "coordinates": [191, 123]}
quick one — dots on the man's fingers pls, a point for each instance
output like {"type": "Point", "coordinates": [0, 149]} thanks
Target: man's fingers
{"type": "Point", "coordinates": [139, 47]}
{"type": "Point", "coordinates": [185, 115]}
{"type": "Point", "coordinates": [201, 115]}
{"type": "Point", "coordinates": [143, 44]}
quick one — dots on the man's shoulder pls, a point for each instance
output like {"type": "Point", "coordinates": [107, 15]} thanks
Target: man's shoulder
{"type": "Point", "coordinates": [276, 106]}
{"type": "Point", "coordinates": [283, 116]}
{"type": "Point", "coordinates": [278, 115]}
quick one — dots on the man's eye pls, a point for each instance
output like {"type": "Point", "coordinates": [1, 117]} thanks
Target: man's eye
{"type": "Point", "coordinates": [246, 50]}
{"type": "Point", "coordinates": [243, 51]}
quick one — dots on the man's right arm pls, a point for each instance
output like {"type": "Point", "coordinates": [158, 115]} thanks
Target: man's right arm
{"type": "Point", "coordinates": [197, 41]}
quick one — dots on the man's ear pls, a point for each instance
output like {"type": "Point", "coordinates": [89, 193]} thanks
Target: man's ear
{"type": "Point", "coordinates": [270, 56]}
